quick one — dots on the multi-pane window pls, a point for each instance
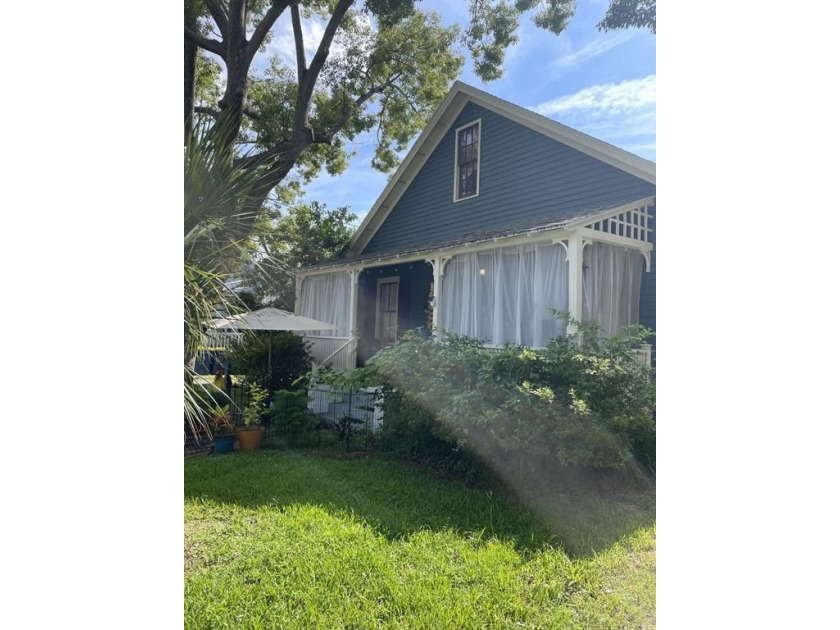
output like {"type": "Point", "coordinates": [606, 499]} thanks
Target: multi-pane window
{"type": "Point", "coordinates": [386, 314]}
{"type": "Point", "coordinates": [467, 162]}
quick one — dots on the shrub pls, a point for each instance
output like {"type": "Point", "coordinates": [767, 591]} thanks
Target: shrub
{"type": "Point", "coordinates": [290, 414]}
{"type": "Point", "coordinates": [410, 428]}
{"type": "Point", "coordinates": [208, 399]}
{"type": "Point", "coordinates": [588, 404]}
{"type": "Point", "coordinates": [289, 359]}
{"type": "Point", "coordinates": [601, 377]}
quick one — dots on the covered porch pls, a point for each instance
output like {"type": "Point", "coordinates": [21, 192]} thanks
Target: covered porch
{"type": "Point", "coordinates": [503, 289]}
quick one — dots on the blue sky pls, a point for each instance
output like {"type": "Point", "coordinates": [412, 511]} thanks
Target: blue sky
{"type": "Point", "coordinates": [603, 84]}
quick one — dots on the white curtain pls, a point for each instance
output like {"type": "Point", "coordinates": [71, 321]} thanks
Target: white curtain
{"type": "Point", "coordinates": [505, 295]}
{"type": "Point", "coordinates": [612, 285]}
{"type": "Point", "coordinates": [326, 297]}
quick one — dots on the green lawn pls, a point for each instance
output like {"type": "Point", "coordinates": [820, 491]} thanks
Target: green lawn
{"type": "Point", "coordinates": [296, 540]}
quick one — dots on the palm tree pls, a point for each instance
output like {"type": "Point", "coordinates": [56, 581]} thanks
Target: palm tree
{"type": "Point", "coordinates": [216, 238]}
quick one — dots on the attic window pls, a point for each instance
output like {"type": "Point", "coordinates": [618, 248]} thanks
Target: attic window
{"type": "Point", "coordinates": [467, 145]}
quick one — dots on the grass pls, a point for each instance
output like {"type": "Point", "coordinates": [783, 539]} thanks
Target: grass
{"type": "Point", "coordinates": [313, 540]}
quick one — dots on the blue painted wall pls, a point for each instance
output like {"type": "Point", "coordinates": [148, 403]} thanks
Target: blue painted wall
{"type": "Point", "coordinates": [413, 297]}
{"type": "Point", "coordinates": [523, 175]}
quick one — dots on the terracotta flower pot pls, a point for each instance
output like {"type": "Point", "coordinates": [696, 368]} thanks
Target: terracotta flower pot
{"type": "Point", "coordinates": [250, 438]}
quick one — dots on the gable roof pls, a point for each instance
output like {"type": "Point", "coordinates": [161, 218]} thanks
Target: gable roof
{"type": "Point", "coordinates": [435, 130]}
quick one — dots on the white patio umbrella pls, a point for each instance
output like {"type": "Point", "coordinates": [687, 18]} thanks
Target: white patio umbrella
{"type": "Point", "coordinates": [271, 319]}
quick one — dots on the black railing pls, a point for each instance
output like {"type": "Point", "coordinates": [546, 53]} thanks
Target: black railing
{"type": "Point", "coordinates": [348, 420]}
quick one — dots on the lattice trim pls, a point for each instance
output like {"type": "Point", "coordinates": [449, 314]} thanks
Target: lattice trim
{"type": "Point", "coordinates": [634, 224]}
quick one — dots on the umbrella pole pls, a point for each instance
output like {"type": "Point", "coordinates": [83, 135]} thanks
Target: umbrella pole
{"type": "Point", "coordinates": [269, 358]}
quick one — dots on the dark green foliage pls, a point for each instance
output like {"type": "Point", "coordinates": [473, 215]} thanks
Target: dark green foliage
{"type": "Point", "coordinates": [209, 398]}
{"type": "Point", "coordinates": [345, 428]}
{"type": "Point", "coordinates": [644, 449]}
{"type": "Point", "coordinates": [302, 236]}
{"type": "Point", "coordinates": [214, 241]}
{"type": "Point", "coordinates": [389, 12]}
{"type": "Point", "coordinates": [411, 430]}
{"type": "Point", "coordinates": [290, 415]}
{"type": "Point", "coordinates": [210, 411]}
{"type": "Point", "coordinates": [601, 377]}
{"type": "Point", "coordinates": [289, 359]}
{"type": "Point", "coordinates": [582, 405]}
{"type": "Point", "coordinates": [629, 14]}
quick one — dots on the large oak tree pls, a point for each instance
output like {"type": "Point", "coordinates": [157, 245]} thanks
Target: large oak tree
{"type": "Point", "coordinates": [359, 66]}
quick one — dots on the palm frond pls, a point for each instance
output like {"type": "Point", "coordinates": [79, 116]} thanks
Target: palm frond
{"type": "Point", "coordinates": [216, 238]}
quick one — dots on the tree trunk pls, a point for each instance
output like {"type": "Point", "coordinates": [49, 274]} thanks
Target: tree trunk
{"type": "Point", "coordinates": [190, 53]}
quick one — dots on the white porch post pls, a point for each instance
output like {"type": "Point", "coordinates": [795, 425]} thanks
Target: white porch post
{"type": "Point", "coordinates": [437, 271]}
{"type": "Point", "coordinates": [298, 286]}
{"type": "Point", "coordinates": [437, 268]}
{"type": "Point", "coordinates": [354, 311]}
{"type": "Point", "coordinates": [575, 280]}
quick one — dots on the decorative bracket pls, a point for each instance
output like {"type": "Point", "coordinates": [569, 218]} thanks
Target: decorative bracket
{"type": "Point", "coordinates": [564, 244]}
{"type": "Point", "coordinates": [443, 260]}
{"type": "Point", "coordinates": [354, 275]}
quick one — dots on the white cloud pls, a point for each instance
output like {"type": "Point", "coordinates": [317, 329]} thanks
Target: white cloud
{"type": "Point", "coordinates": [283, 40]}
{"type": "Point", "coordinates": [612, 97]}
{"type": "Point", "coordinates": [621, 113]}
{"type": "Point", "coordinates": [593, 49]}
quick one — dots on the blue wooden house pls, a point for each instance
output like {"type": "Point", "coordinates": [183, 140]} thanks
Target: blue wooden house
{"type": "Point", "coordinates": [497, 216]}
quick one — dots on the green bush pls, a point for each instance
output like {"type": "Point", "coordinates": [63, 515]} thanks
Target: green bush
{"type": "Point", "coordinates": [410, 429]}
{"type": "Point", "coordinates": [601, 377]}
{"type": "Point", "coordinates": [212, 404]}
{"type": "Point", "coordinates": [576, 405]}
{"type": "Point", "coordinates": [290, 415]}
{"type": "Point", "coordinates": [289, 359]}
{"type": "Point", "coordinates": [209, 398]}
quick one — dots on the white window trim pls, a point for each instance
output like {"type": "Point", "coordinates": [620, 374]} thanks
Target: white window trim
{"type": "Point", "coordinates": [477, 163]}
{"type": "Point", "coordinates": [379, 282]}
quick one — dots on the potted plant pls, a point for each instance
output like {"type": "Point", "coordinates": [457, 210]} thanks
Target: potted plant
{"type": "Point", "coordinates": [250, 436]}
{"type": "Point", "coordinates": [223, 431]}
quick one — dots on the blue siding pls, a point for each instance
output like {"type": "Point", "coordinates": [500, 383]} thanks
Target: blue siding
{"type": "Point", "coordinates": [523, 175]}
{"type": "Point", "coordinates": [415, 283]}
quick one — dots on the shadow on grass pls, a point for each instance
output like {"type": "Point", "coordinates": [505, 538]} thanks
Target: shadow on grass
{"type": "Point", "coordinates": [582, 513]}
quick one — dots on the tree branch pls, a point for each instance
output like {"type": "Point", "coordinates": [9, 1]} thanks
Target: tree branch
{"type": "Point", "coordinates": [300, 53]}
{"type": "Point", "coordinates": [307, 86]}
{"type": "Point", "coordinates": [201, 109]}
{"type": "Point", "coordinates": [251, 161]}
{"type": "Point", "coordinates": [190, 54]}
{"type": "Point", "coordinates": [326, 138]}
{"type": "Point", "coordinates": [261, 32]}
{"type": "Point", "coordinates": [215, 113]}
{"type": "Point", "coordinates": [250, 113]}
{"type": "Point", "coordinates": [219, 15]}
{"type": "Point", "coordinates": [210, 45]}
{"type": "Point", "coordinates": [407, 98]}
{"type": "Point", "coordinates": [237, 16]}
